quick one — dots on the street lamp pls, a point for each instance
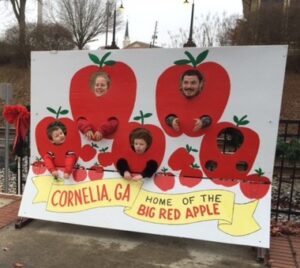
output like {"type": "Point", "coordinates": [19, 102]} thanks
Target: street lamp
{"type": "Point", "coordinates": [190, 42]}
{"type": "Point", "coordinates": [113, 43]}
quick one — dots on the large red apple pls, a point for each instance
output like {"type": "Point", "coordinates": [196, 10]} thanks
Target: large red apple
{"type": "Point", "coordinates": [72, 142]}
{"type": "Point", "coordinates": [121, 147]}
{"type": "Point", "coordinates": [226, 170]}
{"type": "Point", "coordinates": [211, 101]}
{"type": "Point", "coordinates": [118, 102]}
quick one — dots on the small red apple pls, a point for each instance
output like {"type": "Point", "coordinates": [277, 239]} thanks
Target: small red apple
{"type": "Point", "coordinates": [79, 174]}
{"type": "Point", "coordinates": [38, 167]}
{"type": "Point", "coordinates": [255, 186]}
{"type": "Point", "coordinates": [190, 176]}
{"type": "Point", "coordinates": [180, 158]}
{"type": "Point", "coordinates": [95, 172]}
{"type": "Point", "coordinates": [164, 180]}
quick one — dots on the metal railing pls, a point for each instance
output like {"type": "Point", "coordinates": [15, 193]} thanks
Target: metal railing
{"type": "Point", "coordinates": [286, 178]}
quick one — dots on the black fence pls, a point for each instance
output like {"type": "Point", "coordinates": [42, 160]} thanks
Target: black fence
{"type": "Point", "coordinates": [18, 164]}
{"type": "Point", "coordinates": [286, 176]}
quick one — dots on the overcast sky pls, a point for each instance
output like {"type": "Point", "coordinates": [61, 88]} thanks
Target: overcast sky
{"type": "Point", "coordinates": [171, 15]}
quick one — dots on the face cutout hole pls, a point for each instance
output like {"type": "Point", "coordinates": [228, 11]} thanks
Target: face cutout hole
{"type": "Point", "coordinates": [230, 140]}
{"type": "Point", "coordinates": [242, 166]}
{"type": "Point", "coordinates": [140, 140]}
{"type": "Point", "coordinates": [100, 83]}
{"type": "Point", "coordinates": [191, 83]}
{"type": "Point", "coordinates": [57, 133]}
{"type": "Point", "coordinates": [211, 165]}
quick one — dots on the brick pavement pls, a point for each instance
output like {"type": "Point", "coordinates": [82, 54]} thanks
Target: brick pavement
{"type": "Point", "coordinates": [9, 212]}
{"type": "Point", "coordinates": [284, 250]}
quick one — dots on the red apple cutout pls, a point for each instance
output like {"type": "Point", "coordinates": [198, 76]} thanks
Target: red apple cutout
{"type": "Point", "coordinates": [38, 167]}
{"type": "Point", "coordinates": [121, 147]}
{"type": "Point", "coordinates": [95, 172]}
{"type": "Point", "coordinates": [181, 158]}
{"type": "Point", "coordinates": [255, 186]}
{"type": "Point", "coordinates": [190, 176]}
{"type": "Point", "coordinates": [211, 101]}
{"type": "Point", "coordinates": [164, 180]}
{"type": "Point", "coordinates": [71, 144]}
{"type": "Point", "coordinates": [226, 172]}
{"type": "Point", "coordinates": [119, 100]}
{"type": "Point", "coordinates": [79, 174]}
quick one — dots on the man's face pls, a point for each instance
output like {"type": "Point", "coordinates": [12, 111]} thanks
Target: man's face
{"type": "Point", "coordinates": [190, 86]}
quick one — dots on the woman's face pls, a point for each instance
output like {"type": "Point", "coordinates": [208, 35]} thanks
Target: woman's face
{"type": "Point", "coordinates": [100, 86]}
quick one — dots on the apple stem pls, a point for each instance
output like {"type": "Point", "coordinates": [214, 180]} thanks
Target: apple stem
{"type": "Point", "coordinates": [58, 112]}
{"type": "Point", "coordinates": [259, 172]}
{"type": "Point", "coordinates": [142, 117]}
{"type": "Point", "coordinates": [102, 62]}
{"type": "Point", "coordinates": [241, 121]}
{"type": "Point", "coordinates": [191, 59]}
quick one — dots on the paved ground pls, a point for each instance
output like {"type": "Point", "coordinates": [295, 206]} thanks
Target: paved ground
{"type": "Point", "coordinates": [43, 244]}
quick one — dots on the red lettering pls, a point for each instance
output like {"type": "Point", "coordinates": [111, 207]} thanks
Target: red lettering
{"type": "Point", "coordinates": [53, 197]}
{"type": "Point", "coordinates": [146, 211]}
{"type": "Point", "coordinates": [169, 214]}
{"type": "Point", "coordinates": [63, 199]}
{"type": "Point", "coordinates": [202, 210]}
{"type": "Point", "coordinates": [70, 197]}
{"type": "Point", "coordinates": [85, 196]}
{"type": "Point", "coordinates": [216, 209]}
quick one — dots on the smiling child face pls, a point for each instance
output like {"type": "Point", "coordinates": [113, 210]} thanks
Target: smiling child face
{"type": "Point", "coordinates": [100, 86]}
{"type": "Point", "coordinates": [58, 137]}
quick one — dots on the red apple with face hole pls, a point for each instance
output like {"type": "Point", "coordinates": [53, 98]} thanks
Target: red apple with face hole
{"type": "Point", "coordinates": [119, 100]}
{"type": "Point", "coordinates": [210, 101]}
{"type": "Point", "coordinates": [95, 172]}
{"type": "Point", "coordinates": [72, 142]}
{"type": "Point", "coordinates": [121, 147]}
{"type": "Point", "coordinates": [255, 186]}
{"type": "Point", "coordinates": [190, 176]}
{"type": "Point", "coordinates": [38, 167]}
{"type": "Point", "coordinates": [226, 172]}
{"type": "Point", "coordinates": [164, 180]}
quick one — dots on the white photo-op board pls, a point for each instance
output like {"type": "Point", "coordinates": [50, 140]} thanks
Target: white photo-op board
{"type": "Point", "coordinates": [199, 191]}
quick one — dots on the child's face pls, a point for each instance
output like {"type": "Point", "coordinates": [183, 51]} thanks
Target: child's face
{"type": "Point", "coordinates": [140, 146]}
{"type": "Point", "coordinates": [100, 86]}
{"type": "Point", "coordinates": [58, 137]}
{"type": "Point", "coordinates": [190, 86]}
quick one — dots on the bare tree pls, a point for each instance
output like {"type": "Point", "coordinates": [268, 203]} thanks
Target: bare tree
{"type": "Point", "coordinates": [85, 19]}
{"type": "Point", "coordinates": [208, 30]}
{"type": "Point", "coordinates": [48, 36]}
{"type": "Point", "coordinates": [270, 24]}
{"type": "Point", "coordinates": [18, 7]}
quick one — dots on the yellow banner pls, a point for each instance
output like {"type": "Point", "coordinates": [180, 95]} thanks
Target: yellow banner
{"type": "Point", "coordinates": [86, 195]}
{"type": "Point", "coordinates": [173, 209]}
